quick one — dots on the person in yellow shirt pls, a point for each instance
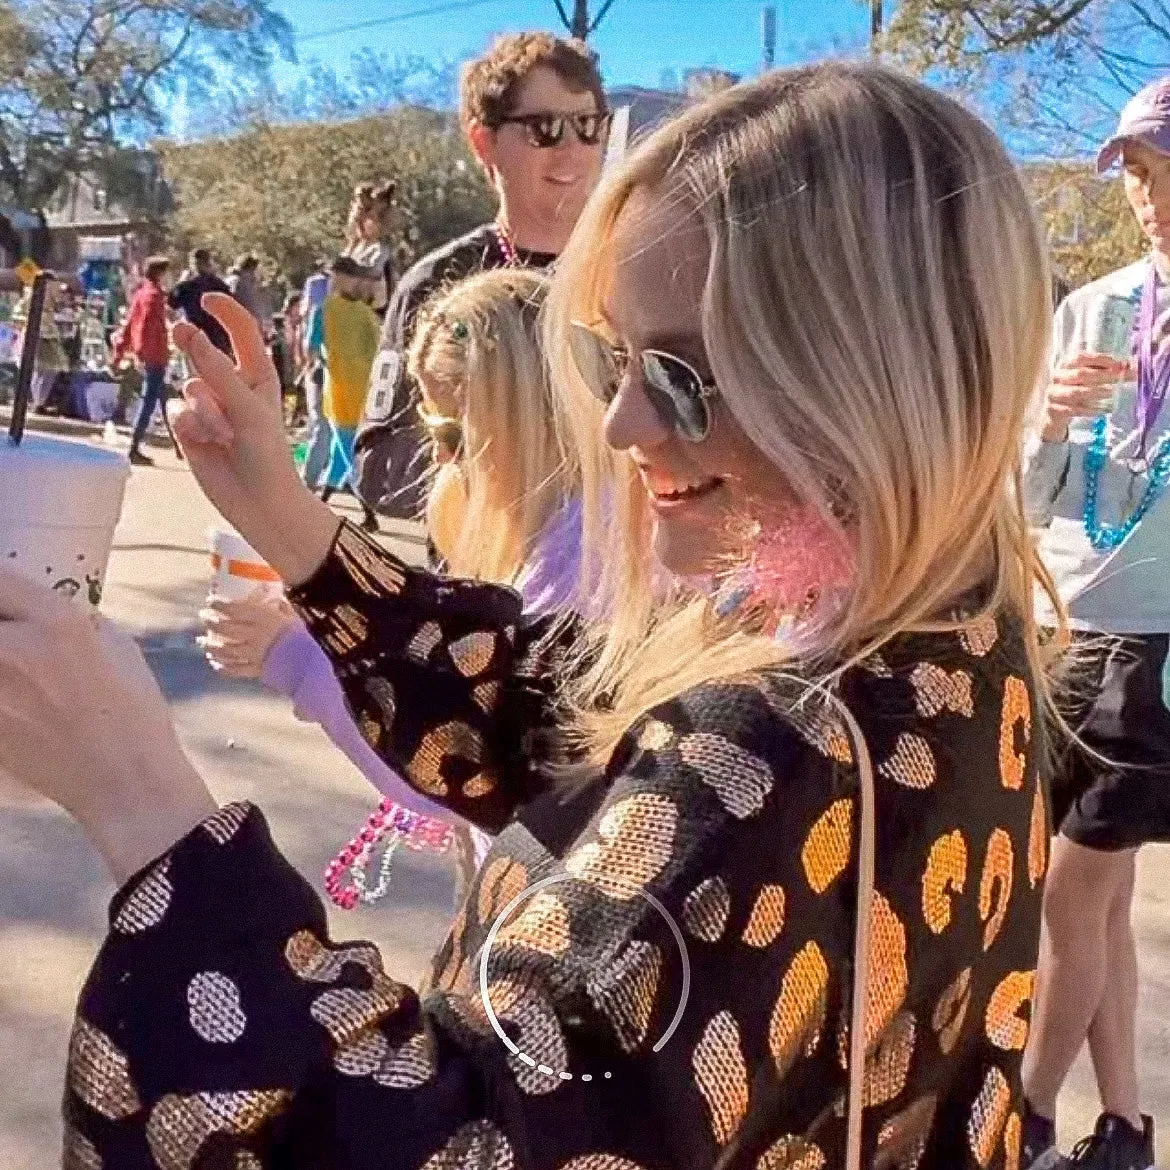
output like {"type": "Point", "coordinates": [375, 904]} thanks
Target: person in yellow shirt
{"type": "Point", "coordinates": [347, 336]}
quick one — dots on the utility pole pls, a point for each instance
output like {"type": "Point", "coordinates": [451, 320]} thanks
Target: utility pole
{"type": "Point", "coordinates": [768, 34]}
{"type": "Point", "coordinates": [581, 25]}
{"type": "Point", "coordinates": [875, 25]}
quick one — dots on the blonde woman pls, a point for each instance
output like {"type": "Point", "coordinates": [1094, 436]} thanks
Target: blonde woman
{"type": "Point", "coordinates": [816, 315]}
{"type": "Point", "coordinates": [505, 501]}
{"type": "Point", "coordinates": [504, 506]}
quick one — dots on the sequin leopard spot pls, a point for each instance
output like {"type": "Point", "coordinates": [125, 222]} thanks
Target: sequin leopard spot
{"type": "Point", "coordinates": [767, 918]}
{"type": "Point", "coordinates": [888, 1066]}
{"type": "Point", "coordinates": [422, 645]}
{"type": "Point", "coordinates": [478, 786]}
{"type": "Point", "coordinates": [487, 694]}
{"type": "Point", "coordinates": [655, 736]}
{"type": "Point", "coordinates": [382, 692]}
{"type": "Point", "coordinates": [1005, 1028]}
{"type": "Point", "coordinates": [311, 960]}
{"type": "Point", "coordinates": [792, 1153]}
{"type": "Point", "coordinates": [937, 690]}
{"type": "Point", "coordinates": [473, 653]}
{"type": "Point", "coordinates": [371, 569]}
{"type": "Point", "coordinates": [222, 826]}
{"type": "Point", "coordinates": [246, 1160]}
{"type": "Point", "coordinates": [542, 926]}
{"type": "Point", "coordinates": [479, 1145]}
{"type": "Point", "coordinates": [349, 628]}
{"type": "Point", "coordinates": [346, 1011]}
{"type": "Point", "coordinates": [799, 1014]}
{"type": "Point", "coordinates": [740, 779]}
{"type": "Point", "coordinates": [148, 903]}
{"type": "Point", "coordinates": [533, 1025]}
{"type": "Point", "coordinates": [979, 637]}
{"type": "Point", "coordinates": [706, 909]}
{"type": "Point", "coordinates": [636, 839]}
{"type": "Point", "coordinates": [371, 730]}
{"type": "Point", "coordinates": [213, 1007]}
{"type": "Point", "coordinates": [362, 1054]}
{"type": "Point", "coordinates": [179, 1127]}
{"type": "Point", "coordinates": [911, 763]}
{"type": "Point", "coordinates": [950, 1013]}
{"type": "Point", "coordinates": [1016, 714]}
{"type": "Point", "coordinates": [988, 1116]}
{"type": "Point", "coordinates": [827, 848]}
{"type": "Point", "coordinates": [721, 1075]}
{"type": "Point", "coordinates": [503, 880]}
{"type": "Point", "coordinates": [78, 1152]}
{"type": "Point", "coordinates": [626, 990]}
{"type": "Point", "coordinates": [888, 974]}
{"type": "Point", "coordinates": [1012, 1135]}
{"type": "Point", "coordinates": [408, 1065]}
{"type": "Point", "coordinates": [449, 743]}
{"type": "Point", "coordinates": [946, 870]}
{"type": "Point", "coordinates": [902, 1140]}
{"type": "Point", "coordinates": [995, 887]}
{"type": "Point", "coordinates": [99, 1073]}
{"type": "Point", "coordinates": [1038, 840]}
{"type": "Point", "coordinates": [600, 1162]}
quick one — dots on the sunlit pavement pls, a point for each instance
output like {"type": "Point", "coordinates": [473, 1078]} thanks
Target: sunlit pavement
{"type": "Point", "coordinates": [53, 892]}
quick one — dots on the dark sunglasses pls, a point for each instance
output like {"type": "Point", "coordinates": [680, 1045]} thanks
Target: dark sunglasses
{"type": "Point", "coordinates": [547, 130]}
{"type": "Point", "coordinates": [677, 391]}
{"type": "Point", "coordinates": [446, 432]}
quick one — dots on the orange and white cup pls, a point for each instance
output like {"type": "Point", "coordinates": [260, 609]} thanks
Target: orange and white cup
{"type": "Point", "coordinates": [238, 570]}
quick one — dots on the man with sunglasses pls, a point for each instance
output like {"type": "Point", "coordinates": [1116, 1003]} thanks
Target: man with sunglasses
{"type": "Point", "coordinates": [534, 110]}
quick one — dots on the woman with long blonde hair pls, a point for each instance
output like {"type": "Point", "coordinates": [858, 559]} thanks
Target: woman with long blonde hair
{"type": "Point", "coordinates": [767, 892]}
{"type": "Point", "coordinates": [504, 504]}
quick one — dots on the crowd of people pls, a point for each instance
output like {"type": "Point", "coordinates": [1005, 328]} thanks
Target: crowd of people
{"type": "Point", "coordinates": [795, 688]}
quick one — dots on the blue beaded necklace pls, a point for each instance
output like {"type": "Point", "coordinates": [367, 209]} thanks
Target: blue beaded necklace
{"type": "Point", "coordinates": [1107, 537]}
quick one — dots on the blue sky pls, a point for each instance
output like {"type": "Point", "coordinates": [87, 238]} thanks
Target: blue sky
{"type": "Point", "coordinates": [638, 41]}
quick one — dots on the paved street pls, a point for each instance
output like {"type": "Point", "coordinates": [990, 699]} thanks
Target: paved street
{"type": "Point", "coordinates": [53, 891]}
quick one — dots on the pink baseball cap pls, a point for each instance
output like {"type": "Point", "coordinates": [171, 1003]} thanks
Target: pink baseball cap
{"type": "Point", "coordinates": [1145, 119]}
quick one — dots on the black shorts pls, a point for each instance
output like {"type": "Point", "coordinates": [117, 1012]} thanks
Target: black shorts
{"type": "Point", "coordinates": [1117, 709]}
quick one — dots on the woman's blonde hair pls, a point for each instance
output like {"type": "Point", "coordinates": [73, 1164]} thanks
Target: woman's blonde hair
{"type": "Point", "coordinates": [876, 315]}
{"type": "Point", "coordinates": [477, 357]}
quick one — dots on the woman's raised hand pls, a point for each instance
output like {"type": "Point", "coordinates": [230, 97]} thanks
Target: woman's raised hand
{"type": "Point", "coordinates": [82, 722]}
{"type": "Point", "coordinates": [231, 429]}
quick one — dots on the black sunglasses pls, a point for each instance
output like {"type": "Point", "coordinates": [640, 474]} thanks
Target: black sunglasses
{"type": "Point", "coordinates": [677, 391]}
{"type": "Point", "coordinates": [546, 130]}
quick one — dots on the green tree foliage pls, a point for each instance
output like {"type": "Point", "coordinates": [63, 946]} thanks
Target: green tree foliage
{"type": "Point", "coordinates": [79, 78]}
{"type": "Point", "coordinates": [283, 190]}
{"type": "Point", "coordinates": [1091, 229]}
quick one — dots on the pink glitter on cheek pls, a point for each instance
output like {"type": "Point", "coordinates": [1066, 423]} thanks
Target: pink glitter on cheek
{"type": "Point", "coordinates": [798, 561]}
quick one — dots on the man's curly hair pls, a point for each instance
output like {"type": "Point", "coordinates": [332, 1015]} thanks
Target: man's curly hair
{"type": "Point", "coordinates": [490, 84]}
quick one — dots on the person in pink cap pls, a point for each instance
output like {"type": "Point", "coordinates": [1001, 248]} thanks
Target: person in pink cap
{"type": "Point", "coordinates": [1096, 488]}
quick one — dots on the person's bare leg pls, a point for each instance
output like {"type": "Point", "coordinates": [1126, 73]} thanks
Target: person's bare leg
{"type": "Point", "coordinates": [1075, 964]}
{"type": "Point", "coordinates": [1112, 1034]}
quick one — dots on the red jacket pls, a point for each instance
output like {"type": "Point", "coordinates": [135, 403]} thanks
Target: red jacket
{"type": "Point", "coordinates": [145, 332]}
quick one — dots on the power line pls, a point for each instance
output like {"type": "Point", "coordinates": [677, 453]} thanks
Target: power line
{"type": "Point", "coordinates": [380, 21]}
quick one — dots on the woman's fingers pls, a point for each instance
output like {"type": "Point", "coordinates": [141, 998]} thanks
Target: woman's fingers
{"type": "Point", "coordinates": [211, 364]}
{"type": "Point", "coordinates": [252, 355]}
{"type": "Point", "coordinates": [199, 418]}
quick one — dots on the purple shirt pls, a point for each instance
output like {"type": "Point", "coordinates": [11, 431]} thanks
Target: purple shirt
{"type": "Point", "coordinates": [297, 667]}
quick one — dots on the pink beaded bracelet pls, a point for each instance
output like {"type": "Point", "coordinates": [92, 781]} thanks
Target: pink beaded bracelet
{"type": "Point", "coordinates": [390, 825]}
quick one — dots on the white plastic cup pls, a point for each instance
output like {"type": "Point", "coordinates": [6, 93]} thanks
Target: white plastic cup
{"type": "Point", "coordinates": [60, 502]}
{"type": "Point", "coordinates": [238, 569]}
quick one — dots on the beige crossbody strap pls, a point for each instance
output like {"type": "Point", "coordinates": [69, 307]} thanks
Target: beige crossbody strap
{"type": "Point", "coordinates": [861, 950]}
